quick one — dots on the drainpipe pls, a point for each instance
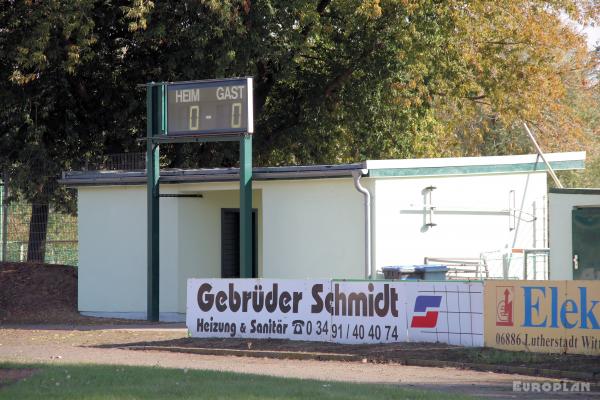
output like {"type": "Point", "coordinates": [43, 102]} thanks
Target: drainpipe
{"type": "Point", "coordinates": [357, 175]}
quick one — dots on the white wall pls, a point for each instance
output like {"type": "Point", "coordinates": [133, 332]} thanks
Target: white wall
{"type": "Point", "coordinates": [313, 229]}
{"type": "Point", "coordinates": [113, 239]}
{"type": "Point", "coordinates": [561, 239]}
{"type": "Point", "coordinates": [471, 216]}
{"type": "Point", "coordinates": [112, 251]}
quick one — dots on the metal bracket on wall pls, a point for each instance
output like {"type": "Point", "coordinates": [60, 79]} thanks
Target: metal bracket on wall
{"type": "Point", "coordinates": [182, 195]}
{"type": "Point", "coordinates": [429, 207]}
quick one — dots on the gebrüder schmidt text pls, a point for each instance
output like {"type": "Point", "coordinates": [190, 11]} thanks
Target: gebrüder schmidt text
{"type": "Point", "coordinates": [336, 302]}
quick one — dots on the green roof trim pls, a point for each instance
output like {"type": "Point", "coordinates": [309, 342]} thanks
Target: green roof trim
{"type": "Point", "coordinates": [476, 169]}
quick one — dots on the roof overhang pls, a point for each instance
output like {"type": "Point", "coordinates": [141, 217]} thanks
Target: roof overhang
{"type": "Point", "coordinates": [476, 165]}
{"type": "Point", "coordinates": [375, 168]}
{"type": "Point", "coordinates": [110, 178]}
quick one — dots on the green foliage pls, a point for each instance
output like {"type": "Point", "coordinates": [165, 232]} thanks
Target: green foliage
{"type": "Point", "coordinates": [503, 357]}
{"type": "Point", "coordinates": [334, 81]}
{"type": "Point", "coordinates": [586, 105]}
{"type": "Point", "coordinates": [124, 382]}
{"type": "Point", "coordinates": [58, 61]}
{"type": "Point", "coordinates": [521, 62]}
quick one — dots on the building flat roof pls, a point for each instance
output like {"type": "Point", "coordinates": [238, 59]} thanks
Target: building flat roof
{"type": "Point", "coordinates": [371, 168]}
{"type": "Point", "coordinates": [84, 178]}
{"type": "Point", "coordinates": [476, 165]}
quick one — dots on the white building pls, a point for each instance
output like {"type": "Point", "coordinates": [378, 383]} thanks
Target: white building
{"type": "Point", "coordinates": [310, 223]}
{"type": "Point", "coordinates": [574, 216]}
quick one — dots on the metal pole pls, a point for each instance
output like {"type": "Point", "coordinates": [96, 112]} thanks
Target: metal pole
{"type": "Point", "coordinates": [246, 207]}
{"type": "Point", "coordinates": [534, 212]}
{"type": "Point", "coordinates": [541, 154]}
{"type": "Point", "coordinates": [545, 236]}
{"type": "Point", "coordinates": [505, 265]}
{"type": "Point", "coordinates": [154, 124]}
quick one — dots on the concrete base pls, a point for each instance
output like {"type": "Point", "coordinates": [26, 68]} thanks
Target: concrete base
{"type": "Point", "coordinates": [163, 317]}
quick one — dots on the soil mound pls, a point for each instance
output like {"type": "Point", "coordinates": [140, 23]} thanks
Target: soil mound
{"type": "Point", "coordinates": [38, 293]}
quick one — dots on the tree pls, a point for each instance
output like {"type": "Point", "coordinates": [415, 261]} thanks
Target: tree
{"type": "Point", "coordinates": [335, 81]}
{"type": "Point", "coordinates": [586, 105]}
{"type": "Point", "coordinates": [331, 77]}
{"type": "Point", "coordinates": [57, 75]}
{"type": "Point", "coordinates": [526, 62]}
{"type": "Point", "coordinates": [344, 81]}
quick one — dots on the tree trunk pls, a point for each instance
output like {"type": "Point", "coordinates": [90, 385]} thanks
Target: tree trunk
{"type": "Point", "coordinates": [38, 225]}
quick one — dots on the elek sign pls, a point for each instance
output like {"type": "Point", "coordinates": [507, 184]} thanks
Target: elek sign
{"type": "Point", "coordinates": [544, 308]}
{"type": "Point", "coordinates": [578, 311]}
{"type": "Point", "coordinates": [210, 107]}
{"type": "Point", "coordinates": [551, 316]}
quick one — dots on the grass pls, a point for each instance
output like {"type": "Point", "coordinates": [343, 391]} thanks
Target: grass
{"type": "Point", "coordinates": [122, 382]}
{"type": "Point", "coordinates": [506, 357]}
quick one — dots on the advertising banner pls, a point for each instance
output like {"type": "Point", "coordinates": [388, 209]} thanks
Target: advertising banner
{"type": "Point", "coordinates": [543, 316]}
{"type": "Point", "coordinates": [337, 311]}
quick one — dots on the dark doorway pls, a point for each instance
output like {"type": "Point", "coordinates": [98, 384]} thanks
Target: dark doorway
{"type": "Point", "coordinates": [586, 242]}
{"type": "Point", "coordinates": [230, 243]}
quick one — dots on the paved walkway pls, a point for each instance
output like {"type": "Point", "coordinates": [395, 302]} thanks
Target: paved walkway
{"type": "Point", "coordinates": [69, 345]}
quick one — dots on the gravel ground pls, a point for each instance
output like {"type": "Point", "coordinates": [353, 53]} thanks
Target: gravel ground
{"type": "Point", "coordinates": [56, 344]}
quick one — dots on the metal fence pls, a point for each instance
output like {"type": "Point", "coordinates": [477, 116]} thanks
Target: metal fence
{"type": "Point", "coordinates": [58, 247]}
{"type": "Point", "coordinates": [117, 162]}
{"type": "Point", "coordinates": [27, 235]}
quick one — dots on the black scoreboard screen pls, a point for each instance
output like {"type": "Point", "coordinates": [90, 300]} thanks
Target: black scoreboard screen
{"type": "Point", "coordinates": [210, 107]}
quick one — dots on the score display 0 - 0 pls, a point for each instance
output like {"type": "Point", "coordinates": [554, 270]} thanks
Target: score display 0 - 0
{"type": "Point", "coordinates": [210, 107]}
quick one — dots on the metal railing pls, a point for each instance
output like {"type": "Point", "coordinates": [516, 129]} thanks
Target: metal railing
{"type": "Point", "coordinates": [117, 162]}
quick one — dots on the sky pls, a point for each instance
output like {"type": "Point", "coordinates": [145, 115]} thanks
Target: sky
{"type": "Point", "coordinates": [593, 34]}
{"type": "Point", "coordinates": [591, 31]}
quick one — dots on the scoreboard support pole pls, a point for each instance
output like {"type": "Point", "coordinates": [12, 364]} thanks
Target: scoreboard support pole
{"type": "Point", "coordinates": [155, 104]}
{"type": "Point", "coordinates": [246, 206]}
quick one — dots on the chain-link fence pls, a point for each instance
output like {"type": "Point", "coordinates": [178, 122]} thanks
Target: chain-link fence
{"type": "Point", "coordinates": [51, 240]}
{"type": "Point", "coordinates": [40, 233]}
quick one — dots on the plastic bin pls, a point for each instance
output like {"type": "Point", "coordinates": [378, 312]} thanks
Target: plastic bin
{"type": "Point", "coordinates": [402, 272]}
{"type": "Point", "coordinates": [415, 272]}
{"type": "Point", "coordinates": [434, 272]}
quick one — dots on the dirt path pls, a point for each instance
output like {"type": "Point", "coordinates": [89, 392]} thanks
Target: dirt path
{"type": "Point", "coordinates": [66, 345]}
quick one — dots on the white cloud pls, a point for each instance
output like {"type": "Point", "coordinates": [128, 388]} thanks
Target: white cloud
{"type": "Point", "coordinates": [593, 36]}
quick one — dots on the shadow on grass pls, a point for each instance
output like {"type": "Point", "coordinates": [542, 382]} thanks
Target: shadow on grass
{"type": "Point", "coordinates": [121, 382]}
{"type": "Point", "coordinates": [99, 324]}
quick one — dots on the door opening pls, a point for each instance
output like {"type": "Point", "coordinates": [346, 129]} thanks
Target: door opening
{"type": "Point", "coordinates": [586, 239]}
{"type": "Point", "coordinates": [230, 243]}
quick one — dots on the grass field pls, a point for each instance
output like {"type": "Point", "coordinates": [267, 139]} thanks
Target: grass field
{"type": "Point", "coordinates": [118, 382]}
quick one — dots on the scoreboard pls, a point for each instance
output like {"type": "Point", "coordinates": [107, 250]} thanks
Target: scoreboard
{"type": "Point", "coordinates": [213, 107]}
